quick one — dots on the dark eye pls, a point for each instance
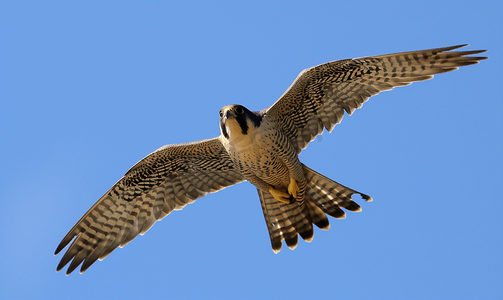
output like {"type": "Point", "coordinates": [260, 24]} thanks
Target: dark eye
{"type": "Point", "coordinates": [221, 114]}
{"type": "Point", "coordinates": [240, 110]}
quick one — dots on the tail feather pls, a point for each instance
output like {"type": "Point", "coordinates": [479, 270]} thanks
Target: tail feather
{"type": "Point", "coordinates": [330, 195]}
{"type": "Point", "coordinates": [285, 221]}
{"type": "Point", "coordinates": [317, 216]}
{"type": "Point", "coordinates": [323, 196]}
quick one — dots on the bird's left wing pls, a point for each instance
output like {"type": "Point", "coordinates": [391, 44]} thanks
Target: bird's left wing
{"type": "Point", "coordinates": [319, 95]}
{"type": "Point", "coordinates": [168, 179]}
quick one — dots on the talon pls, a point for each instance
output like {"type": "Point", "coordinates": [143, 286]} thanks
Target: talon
{"type": "Point", "coordinates": [281, 196]}
{"type": "Point", "coordinates": [293, 188]}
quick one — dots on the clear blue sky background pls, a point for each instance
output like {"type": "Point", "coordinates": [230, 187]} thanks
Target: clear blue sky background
{"type": "Point", "coordinates": [88, 88]}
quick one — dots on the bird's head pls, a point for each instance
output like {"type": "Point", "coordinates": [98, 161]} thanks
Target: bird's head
{"type": "Point", "coordinates": [238, 120]}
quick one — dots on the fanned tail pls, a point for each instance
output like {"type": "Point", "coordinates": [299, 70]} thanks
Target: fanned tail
{"type": "Point", "coordinates": [323, 197]}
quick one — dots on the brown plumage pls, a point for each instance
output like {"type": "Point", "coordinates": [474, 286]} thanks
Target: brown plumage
{"type": "Point", "coordinates": [259, 147]}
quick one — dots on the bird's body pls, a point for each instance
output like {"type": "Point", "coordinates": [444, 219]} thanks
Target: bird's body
{"type": "Point", "coordinates": [260, 150]}
{"type": "Point", "coordinates": [259, 147]}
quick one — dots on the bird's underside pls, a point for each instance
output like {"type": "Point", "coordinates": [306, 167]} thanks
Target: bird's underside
{"type": "Point", "coordinates": [259, 147]}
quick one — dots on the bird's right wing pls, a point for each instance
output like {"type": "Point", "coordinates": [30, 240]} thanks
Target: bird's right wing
{"type": "Point", "coordinates": [166, 180]}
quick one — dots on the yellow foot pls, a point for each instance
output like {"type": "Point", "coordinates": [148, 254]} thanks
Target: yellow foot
{"type": "Point", "coordinates": [281, 196]}
{"type": "Point", "coordinates": [293, 188]}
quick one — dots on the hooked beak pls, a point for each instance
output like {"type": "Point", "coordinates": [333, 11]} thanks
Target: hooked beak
{"type": "Point", "coordinates": [223, 119]}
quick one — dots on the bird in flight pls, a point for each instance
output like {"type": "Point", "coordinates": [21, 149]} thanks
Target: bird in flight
{"type": "Point", "coordinates": [261, 147]}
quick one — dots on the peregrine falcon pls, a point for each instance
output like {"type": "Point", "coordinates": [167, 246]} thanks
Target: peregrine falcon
{"type": "Point", "coordinates": [261, 147]}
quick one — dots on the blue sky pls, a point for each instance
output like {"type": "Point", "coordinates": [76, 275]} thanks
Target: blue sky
{"type": "Point", "coordinates": [89, 88]}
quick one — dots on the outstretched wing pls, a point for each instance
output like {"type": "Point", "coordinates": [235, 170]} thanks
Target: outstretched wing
{"type": "Point", "coordinates": [168, 179]}
{"type": "Point", "coordinates": [319, 95]}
